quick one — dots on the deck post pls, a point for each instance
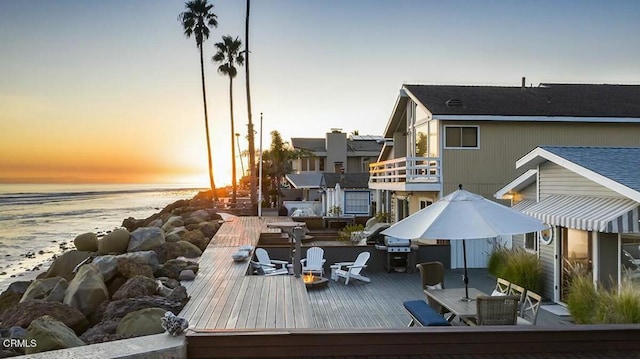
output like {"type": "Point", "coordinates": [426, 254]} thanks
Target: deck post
{"type": "Point", "coordinates": [298, 234]}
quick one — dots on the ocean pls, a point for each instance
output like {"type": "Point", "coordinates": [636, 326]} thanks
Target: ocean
{"type": "Point", "coordinates": [37, 221]}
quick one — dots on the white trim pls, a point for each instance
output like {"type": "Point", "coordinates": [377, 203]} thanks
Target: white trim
{"type": "Point", "coordinates": [536, 118]}
{"type": "Point", "coordinates": [444, 137]}
{"type": "Point", "coordinates": [539, 155]}
{"type": "Point", "coordinates": [520, 182]}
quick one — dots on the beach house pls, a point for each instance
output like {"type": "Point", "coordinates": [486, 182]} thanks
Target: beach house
{"type": "Point", "coordinates": [440, 136]}
{"type": "Point", "coordinates": [590, 198]}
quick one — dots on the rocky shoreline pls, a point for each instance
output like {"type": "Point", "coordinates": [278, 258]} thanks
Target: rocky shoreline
{"type": "Point", "coordinates": [120, 285]}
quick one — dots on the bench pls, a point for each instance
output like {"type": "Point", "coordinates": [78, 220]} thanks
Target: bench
{"type": "Point", "coordinates": [423, 314]}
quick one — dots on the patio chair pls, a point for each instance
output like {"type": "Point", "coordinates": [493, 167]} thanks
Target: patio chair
{"type": "Point", "coordinates": [432, 275]}
{"type": "Point", "coordinates": [351, 270]}
{"type": "Point", "coordinates": [529, 310]}
{"type": "Point", "coordinates": [519, 292]}
{"type": "Point", "coordinates": [314, 263]}
{"type": "Point", "coordinates": [494, 310]}
{"type": "Point", "coordinates": [502, 287]}
{"type": "Point", "coordinates": [270, 266]}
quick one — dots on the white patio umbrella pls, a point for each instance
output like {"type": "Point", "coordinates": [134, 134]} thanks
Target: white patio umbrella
{"type": "Point", "coordinates": [464, 215]}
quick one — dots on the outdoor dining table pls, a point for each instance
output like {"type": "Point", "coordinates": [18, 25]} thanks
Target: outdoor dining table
{"type": "Point", "coordinates": [451, 298]}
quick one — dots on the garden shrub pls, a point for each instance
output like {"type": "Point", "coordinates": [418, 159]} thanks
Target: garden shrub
{"type": "Point", "coordinates": [582, 299]}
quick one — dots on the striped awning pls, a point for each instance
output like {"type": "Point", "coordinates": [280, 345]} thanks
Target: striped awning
{"type": "Point", "coordinates": [524, 204]}
{"type": "Point", "coordinates": [609, 215]}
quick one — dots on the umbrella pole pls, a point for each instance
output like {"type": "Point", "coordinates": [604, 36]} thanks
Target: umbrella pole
{"type": "Point", "coordinates": [465, 278]}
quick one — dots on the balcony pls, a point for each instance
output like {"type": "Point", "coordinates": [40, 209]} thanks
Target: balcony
{"type": "Point", "coordinates": [406, 174]}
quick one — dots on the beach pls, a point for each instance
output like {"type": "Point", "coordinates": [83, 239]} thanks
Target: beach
{"type": "Point", "coordinates": [39, 221]}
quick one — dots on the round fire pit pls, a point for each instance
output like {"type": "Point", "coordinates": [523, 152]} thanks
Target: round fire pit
{"type": "Point", "coordinates": [315, 282]}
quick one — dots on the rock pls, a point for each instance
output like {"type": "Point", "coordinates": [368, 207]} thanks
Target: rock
{"type": "Point", "coordinates": [146, 321]}
{"type": "Point", "coordinates": [176, 234]}
{"type": "Point", "coordinates": [196, 237]}
{"type": "Point", "coordinates": [173, 267]}
{"type": "Point", "coordinates": [155, 223]}
{"type": "Point", "coordinates": [114, 284]}
{"type": "Point", "coordinates": [108, 266]}
{"type": "Point", "coordinates": [120, 308]}
{"type": "Point", "coordinates": [114, 242]}
{"type": "Point", "coordinates": [172, 222]}
{"type": "Point", "coordinates": [179, 294]}
{"type": "Point", "coordinates": [168, 282]}
{"type": "Point", "coordinates": [50, 334]}
{"type": "Point", "coordinates": [104, 331]}
{"type": "Point", "coordinates": [187, 275]}
{"type": "Point", "coordinates": [131, 224]}
{"type": "Point", "coordinates": [18, 287]}
{"type": "Point", "coordinates": [51, 289]}
{"type": "Point", "coordinates": [86, 242]}
{"type": "Point", "coordinates": [146, 257]}
{"type": "Point", "coordinates": [131, 267]}
{"type": "Point", "coordinates": [174, 325]}
{"type": "Point", "coordinates": [17, 332]}
{"type": "Point", "coordinates": [138, 286]}
{"type": "Point", "coordinates": [209, 229]}
{"type": "Point", "coordinates": [64, 265]}
{"type": "Point", "coordinates": [87, 290]}
{"type": "Point", "coordinates": [173, 250]}
{"type": "Point", "coordinates": [164, 290]}
{"type": "Point", "coordinates": [10, 297]}
{"type": "Point", "coordinates": [24, 313]}
{"type": "Point", "coordinates": [145, 238]}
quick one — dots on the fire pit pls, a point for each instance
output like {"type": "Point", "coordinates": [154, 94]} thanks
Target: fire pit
{"type": "Point", "coordinates": [312, 281]}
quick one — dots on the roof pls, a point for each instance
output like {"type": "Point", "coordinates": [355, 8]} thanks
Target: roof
{"type": "Point", "coordinates": [311, 144]}
{"type": "Point", "coordinates": [548, 99]}
{"type": "Point", "coordinates": [305, 180]}
{"type": "Point", "coordinates": [347, 180]}
{"type": "Point", "coordinates": [318, 145]}
{"type": "Point", "coordinates": [613, 167]}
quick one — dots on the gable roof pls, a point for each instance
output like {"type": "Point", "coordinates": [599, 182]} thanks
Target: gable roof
{"type": "Point", "coordinates": [311, 144]}
{"type": "Point", "coordinates": [548, 99]}
{"type": "Point", "coordinates": [346, 180]}
{"type": "Point", "coordinates": [371, 146]}
{"type": "Point", "coordinates": [613, 167]}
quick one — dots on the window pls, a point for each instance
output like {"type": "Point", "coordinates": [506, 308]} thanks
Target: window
{"type": "Point", "coordinates": [308, 164]}
{"type": "Point", "coordinates": [461, 136]}
{"type": "Point", "coordinates": [531, 241]}
{"type": "Point", "coordinates": [321, 166]}
{"type": "Point", "coordinates": [357, 202]}
{"type": "Point", "coordinates": [424, 203]}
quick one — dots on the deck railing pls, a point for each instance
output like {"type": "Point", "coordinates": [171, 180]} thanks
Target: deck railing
{"type": "Point", "coordinates": [406, 169]}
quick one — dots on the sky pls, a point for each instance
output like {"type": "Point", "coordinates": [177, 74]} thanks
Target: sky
{"type": "Point", "coordinates": [109, 91]}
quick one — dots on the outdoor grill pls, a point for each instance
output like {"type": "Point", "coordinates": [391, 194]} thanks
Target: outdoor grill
{"type": "Point", "coordinates": [399, 254]}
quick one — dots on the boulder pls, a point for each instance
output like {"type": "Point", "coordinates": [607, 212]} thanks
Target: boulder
{"type": "Point", "coordinates": [197, 238]}
{"type": "Point", "coordinates": [87, 290]}
{"type": "Point", "coordinates": [107, 265]}
{"type": "Point", "coordinates": [120, 308]}
{"type": "Point", "coordinates": [114, 284]}
{"type": "Point", "coordinates": [51, 289]}
{"type": "Point", "coordinates": [187, 275]}
{"type": "Point", "coordinates": [86, 242]}
{"type": "Point", "coordinates": [114, 242]}
{"type": "Point", "coordinates": [64, 265]}
{"type": "Point", "coordinates": [146, 321]}
{"type": "Point", "coordinates": [175, 234]}
{"type": "Point", "coordinates": [146, 257]}
{"type": "Point", "coordinates": [172, 222]}
{"type": "Point", "coordinates": [131, 224]}
{"type": "Point", "coordinates": [179, 294]}
{"type": "Point", "coordinates": [24, 313]}
{"type": "Point", "coordinates": [155, 223]}
{"type": "Point", "coordinates": [138, 286]}
{"type": "Point", "coordinates": [145, 238]}
{"type": "Point", "coordinates": [168, 282]}
{"type": "Point", "coordinates": [173, 267]}
{"type": "Point", "coordinates": [50, 334]}
{"type": "Point", "coordinates": [104, 331]}
{"type": "Point", "coordinates": [173, 250]}
{"type": "Point", "coordinates": [131, 267]}
{"type": "Point", "coordinates": [209, 229]}
{"type": "Point", "coordinates": [12, 295]}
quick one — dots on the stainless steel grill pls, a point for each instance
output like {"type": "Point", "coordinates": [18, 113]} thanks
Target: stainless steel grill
{"type": "Point", "coordinates": [399, 254]}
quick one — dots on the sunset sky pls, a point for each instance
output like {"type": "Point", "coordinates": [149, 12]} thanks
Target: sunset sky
{"type": "Point", "coordinates": [109, 91]}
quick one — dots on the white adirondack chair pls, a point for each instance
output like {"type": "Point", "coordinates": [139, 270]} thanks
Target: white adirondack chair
{"type": "Point", "coordinates": [351, 270]}
{"type": "Point", "coordinates": [314, 263]}
{"type": "Point", "coordinates": [270, 266]}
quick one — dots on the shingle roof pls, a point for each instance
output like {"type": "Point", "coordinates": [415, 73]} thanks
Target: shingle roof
{"type": "Point", "coordinates": [311, 144]}
{"type": "Point", "coordinates": [574, 100]}
{"type": "Point", "coordinates": [347, 180]}
{"type": "Point", "coordinates": [318, 145]}
{"type": "Point", "coordinates": [621, 164]}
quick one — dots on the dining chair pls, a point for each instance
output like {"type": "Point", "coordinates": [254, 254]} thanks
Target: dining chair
{"type": "Point", "coordinates": [529, 310]}
{"type": "Point", "coordinates": [502, 287]}
{"type": "Point", "coordinates": [518, 291]}
{"type": "Point", "coordinates": [494, 310]}
{"type": "Point", "coordinates": [432, 275]}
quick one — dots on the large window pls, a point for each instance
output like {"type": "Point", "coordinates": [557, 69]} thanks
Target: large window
{"type": "Point", "coordinates": [461, 137]}
{"type": "Point", "coordinates": [308, 164]}
{"type": "Point", "coordinates": [357, 202]}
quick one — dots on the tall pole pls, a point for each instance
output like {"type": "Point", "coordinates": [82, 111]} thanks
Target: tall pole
{"type": "Point", "coordinates": [260, 173]}
{"type": "Point", "coordinates": [240, 153]}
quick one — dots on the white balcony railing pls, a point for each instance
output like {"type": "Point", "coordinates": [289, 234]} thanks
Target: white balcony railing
{"type": "Point", "coordinates": [406, 169]}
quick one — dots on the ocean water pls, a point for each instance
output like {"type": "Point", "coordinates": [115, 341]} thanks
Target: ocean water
{"type": "Point", "coordinates": [37, 221]}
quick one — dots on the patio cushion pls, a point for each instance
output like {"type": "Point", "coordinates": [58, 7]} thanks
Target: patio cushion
{"type": "Point", "coordinates": [424, 314]}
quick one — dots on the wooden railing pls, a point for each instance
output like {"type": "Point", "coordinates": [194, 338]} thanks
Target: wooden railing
{"type": "Point", "coordinates": [406, 169]}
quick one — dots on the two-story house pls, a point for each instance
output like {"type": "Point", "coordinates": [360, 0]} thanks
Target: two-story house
{"type": "Point", "coordinates": [443, 136]}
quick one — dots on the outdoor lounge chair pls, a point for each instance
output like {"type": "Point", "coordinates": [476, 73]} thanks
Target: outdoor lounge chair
{"type": "Point", "coordinates": [529, 310]}
{"type": "Point", "coordinates": [270, 266]}
{"type": "Point", "coordinates": [351, 270]}
{"type": "Point", "coordinates": [314, 263]}
{"type": "Point", "coordinates": [494, 310]}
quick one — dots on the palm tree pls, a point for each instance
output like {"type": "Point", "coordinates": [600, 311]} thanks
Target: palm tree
{"type": "Point", "coordinates": [196, 20]}
{"type": "Point", "coordinates": [228, 56]}
{"type": "Point", "coordinates": [252, 148]}
{"type": "Point", "coordinates": [277, 161]}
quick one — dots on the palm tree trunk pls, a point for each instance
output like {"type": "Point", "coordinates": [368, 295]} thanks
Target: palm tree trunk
{"type": "Point", "coordinates": [206, 126]}
{"type": "Point", "coordinates": [233, 146]}
{"type": "Point", "coordinates": [252, 148]}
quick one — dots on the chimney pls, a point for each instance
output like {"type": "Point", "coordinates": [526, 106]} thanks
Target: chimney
{"type": "Point", "coordinates": [524, 80]}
